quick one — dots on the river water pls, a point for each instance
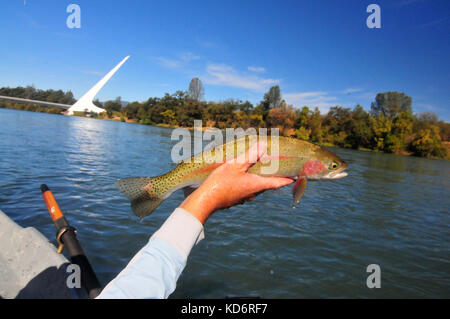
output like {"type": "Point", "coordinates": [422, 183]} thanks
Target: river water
{"type": "Point", "coordinates": [391, 210]}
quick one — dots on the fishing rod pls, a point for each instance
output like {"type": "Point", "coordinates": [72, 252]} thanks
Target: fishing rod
{"type": "Point", "coordinates": [66, 238]}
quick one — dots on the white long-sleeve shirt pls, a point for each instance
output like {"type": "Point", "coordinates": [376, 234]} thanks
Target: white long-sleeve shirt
{"type": "Point", "coordinates": [154, 270]}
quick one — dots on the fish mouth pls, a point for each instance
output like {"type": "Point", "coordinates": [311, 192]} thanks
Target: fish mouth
{"type": "Point", "coordinates": [330, 176]}
{"type": "Point", "coordinates": [340, 173]}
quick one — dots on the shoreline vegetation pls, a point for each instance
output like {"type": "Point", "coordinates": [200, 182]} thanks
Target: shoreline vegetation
{"type": "Point", "coordinates": [390, 126]}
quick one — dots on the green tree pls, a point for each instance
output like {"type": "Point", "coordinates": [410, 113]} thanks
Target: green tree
{"type": "Point", "coordinates": [246, 107]}
{"type": "Point", "coordinates": [401, 130]}
{"type": "Point", "coordinates": [190, 111]}
{"type": "Point", "coordinates": [390, 104]}
{"type": "Point", "coordinates": [381, 126]}
{"type": "Point", "coordinates": [302, 117]}
{"type": "Point", "coordinates": [428, 143]}
{"type": "Point", "coordinates": [302, 133]}
{"type": "Point", "coordinates": [272, 98]}
{"type": "Point", "coordinates": [359, 131]}
{"type": "Point", "coordinates": [315, 124]}
{"type": "Point", "coordinates": [169, 116]}
{"type": "Point", "coordinates": [141, 115]}
{"type": "Point", "coordinates": [113, 106]}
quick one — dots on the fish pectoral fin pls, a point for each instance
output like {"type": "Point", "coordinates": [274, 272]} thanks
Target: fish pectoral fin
{"type": "Point", "coordinates": [298, 190]}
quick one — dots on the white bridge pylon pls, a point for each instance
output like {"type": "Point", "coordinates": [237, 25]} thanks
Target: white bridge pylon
{"type": "Point", "coordinates": [85, 104]}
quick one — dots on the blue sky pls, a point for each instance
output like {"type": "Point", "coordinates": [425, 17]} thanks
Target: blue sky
{"type": "Point", "coordinates": [321, 53]}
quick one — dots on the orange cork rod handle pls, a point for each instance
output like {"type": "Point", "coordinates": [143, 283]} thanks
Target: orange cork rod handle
{"type": "Point", "coordinates": [53, 208]}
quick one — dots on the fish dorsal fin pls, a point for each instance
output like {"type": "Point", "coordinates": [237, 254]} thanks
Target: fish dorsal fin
{"type": "Point", "coordinates": [299, 189]}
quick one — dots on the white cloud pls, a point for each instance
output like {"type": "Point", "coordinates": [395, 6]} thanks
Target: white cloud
{"type": "Point", "coordinates": [311, 99]}
{"type": "Point", "coordinates": [256, 69]}
{"type": "Point", "coordinates": [351, 90]}
{"type": "Point", "coordinates": [221, 74]}
{"type": "Point", "coordinates": [182, 60]}
{"type": "Point", "coordinates": [169, 63]}
{"type": "Point", "coordinates": [188, 56]}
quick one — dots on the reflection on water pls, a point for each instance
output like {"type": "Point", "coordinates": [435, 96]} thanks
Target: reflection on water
{"type": "Point", "coordinates": [390, 210]}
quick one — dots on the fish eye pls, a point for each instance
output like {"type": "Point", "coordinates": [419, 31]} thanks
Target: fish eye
{"type": "Point", "coordinates": [333, 166]}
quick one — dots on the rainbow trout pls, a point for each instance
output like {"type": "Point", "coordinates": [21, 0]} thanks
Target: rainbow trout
{"type": "Point", "coordinates": [295, 158]}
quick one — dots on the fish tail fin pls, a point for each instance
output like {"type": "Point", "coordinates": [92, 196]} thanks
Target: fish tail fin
{"type": "Point", "coordinates": [142, 195]}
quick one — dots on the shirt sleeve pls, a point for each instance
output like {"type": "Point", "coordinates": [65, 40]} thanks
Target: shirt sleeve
{"type": "Point", "coordinates": [155, 269]}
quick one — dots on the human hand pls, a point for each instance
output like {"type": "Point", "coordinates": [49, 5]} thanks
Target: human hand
{"type": "Point", "coordinates": [230, 184]}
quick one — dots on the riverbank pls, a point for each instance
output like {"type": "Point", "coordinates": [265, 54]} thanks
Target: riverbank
{"type": "Point", "coordinates": [118, 117]}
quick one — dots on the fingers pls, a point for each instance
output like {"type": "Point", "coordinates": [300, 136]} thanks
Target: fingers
{"type": "Point", "coordinates": [252, 155]}
{"type": "Point", "coordinates": [260, 183]}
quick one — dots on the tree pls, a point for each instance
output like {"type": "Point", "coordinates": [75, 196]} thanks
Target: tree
{"type": "Point", "coordinates": [428, 143]}
{"type": "Point", "coordinates": [360, 133]}
{"type": "Point", "coordinates": [55, 96]}
{"type": "Point", "coordinates": [430, 117]}
{"type": "Point", "coordinates": [282, 117]}
{"type": "Point", "coordinates": [112, 106]}
{"type": "Point", "coordinates": [246, 107]}
{"type": "Point", "coordinates": [272, 99]}
{"type": "Point", "coordinates": [68, 98]}
{"type": "Point", "coordinates": [196, 90]}
{"type": "Point", "coordinates": [338, 119]}
{"type": "Point", "coordinates": [302, 117]}
{"type": "Point", "coordinates": [141, 115]}
{"type": "Point", "coordinates": [315, 124]}
{"type": "Point", "coordinates": [190, 111]}
{"type": "Point", "coordinates": [29, 92]}
{"type": "Point", "coordinates": [115, 105]}
{"type": "Point", "coordinates": [256, 120]}
{"type": "Point", "coordinates": [169, 117]}
{"type": "Point", "coordinates": [391, 103]}
{"type": "Point", "coordinates": [444, 130]}
{"type": "Point", "coordinates": [381, 126]}
{"type": "Point", "coordinates": [302, 133]}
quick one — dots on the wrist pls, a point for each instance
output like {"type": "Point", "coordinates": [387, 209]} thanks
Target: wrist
{"type": "Point", "coordinates": [198, 205]}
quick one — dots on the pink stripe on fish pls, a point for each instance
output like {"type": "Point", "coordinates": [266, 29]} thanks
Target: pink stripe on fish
{"type": "Point", "coordinates": [266, 157]}
{"type": "Point", "coordinates": [205, 169]}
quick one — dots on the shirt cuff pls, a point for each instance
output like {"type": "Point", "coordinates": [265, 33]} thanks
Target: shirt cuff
{"type": "Point", "coordinates": [182, 231]}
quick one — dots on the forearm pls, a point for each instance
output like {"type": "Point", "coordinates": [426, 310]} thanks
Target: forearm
{"type": "Point", "coordinates": [200, 204]}
{"type": "Point", "coordinates": [154, 270]}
